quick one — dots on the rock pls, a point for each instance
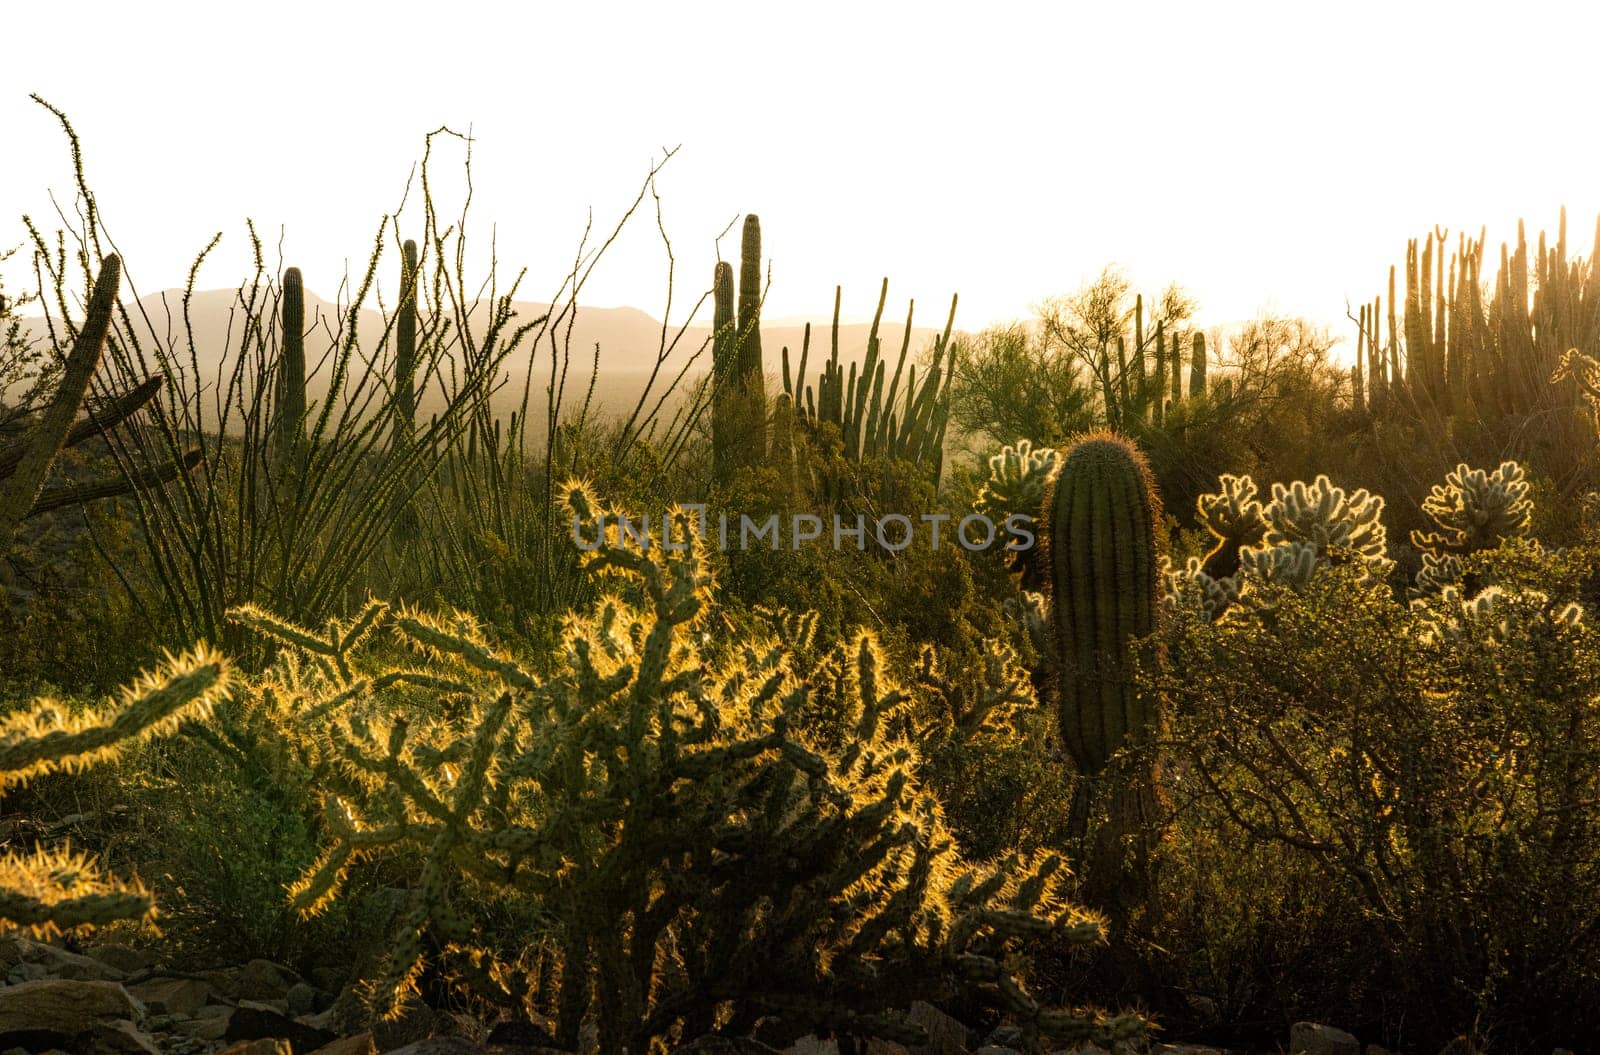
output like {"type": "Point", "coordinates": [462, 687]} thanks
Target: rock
{"type": "Point", "coordinates": [301, 998]}
{"type": "Point", "coordinates": [512, 1032]}
{"type": "Point", "coordinates": [810, 1045]}
{"type": "Point", "coordinates": [122, 957]}
{"type": "Point", "coordinates": [120, 1037]}
{"type": "Point", "coordinates": [62, 1006]}
{"type": "Point", "coordinates": [265, 980]}
{"type": "Point", "coordinates": [710, 1044]}
{"type": "Point", "coordinates": [440, 1046]}
{"type": "Point", "coordinates": [277, 1007]}
{"type": "Point", "coordinates": [946, 1036]}
{"type": "Point", "coordinates": [259, 1047]}
{"type": "Point", "coordinates": [1379, 1049]}
{"type": "Point", "coordinates": [59, 963]}
{"type": "Point", "coordinates": [173, 996]}
{"type": "Point", "coordinates": [1006, 1036]}
{"type": "Point", "coordinates": [260, 1022]}
{"type": "Point", "coordinates": [1313, 1038]}
{"type": "Point", "coordinates": [1186, 1049]}
{"type": "Point", "coordinates": [210, 1025]}
{"type": "Point", "coordinates": [879, 1046]}
{"type": "Point", "coordinates": [27, 972]}
{"type": "Point", "coordinates": [995, 1049]}
{"type": "Point", "coordinates": [360, 1044]}
{"type": "Point", "coordinates": [10, 956]}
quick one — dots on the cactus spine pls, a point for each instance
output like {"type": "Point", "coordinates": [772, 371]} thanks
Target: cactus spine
{"type": "Point", "coordinates": [1105, 593]}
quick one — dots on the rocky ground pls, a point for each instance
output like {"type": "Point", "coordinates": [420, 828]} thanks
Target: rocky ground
{"type": "Point", "coordinates": [114, 1000]}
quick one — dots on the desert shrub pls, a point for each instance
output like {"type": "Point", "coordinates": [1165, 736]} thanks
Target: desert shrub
{"type": "Point", "coordinates": [703, 853]}
{"type": "Point", "coordinates": [1437, 762]}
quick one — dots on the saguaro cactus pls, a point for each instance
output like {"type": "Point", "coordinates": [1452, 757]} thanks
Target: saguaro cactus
{"type": "Point", "coordinates": [292, 369]}
{"type": "Point", "coordinates": [1105, 592]}
{"type": "Point", "coordinates": [405, 348]}
{"type": "Point", "coordinates": [724, 369]}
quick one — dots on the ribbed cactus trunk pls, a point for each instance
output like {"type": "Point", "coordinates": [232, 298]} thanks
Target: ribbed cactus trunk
{"type": "Point", "coordinates": [20, 490]}
{"type": "Point", "coordinates": [292, 369]}
{"type": "Point", "coordinates": [1197, 366]}
{"type": "Point", "coordinates": [405, 348]}
{"type": "Point", "coordinates": [1102, 512]}
{"type": "Point", "coordinates": [724, 371]}
{"type": "Point", "coordinates": [752, 381]}
{"type": "Point", "coordinates": [1103, 561]}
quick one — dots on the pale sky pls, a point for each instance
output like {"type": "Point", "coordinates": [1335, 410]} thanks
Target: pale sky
{"type": "Point", "coordinates": [1260, 154]}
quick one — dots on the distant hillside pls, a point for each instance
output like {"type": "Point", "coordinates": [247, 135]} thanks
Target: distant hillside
{"type": "Point", "coordinates": [628, 339]}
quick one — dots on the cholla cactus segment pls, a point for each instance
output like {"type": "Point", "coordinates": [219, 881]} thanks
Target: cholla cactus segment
{"type": "Point", "coordinates": [1492, 616]}
{"type": "Point", "coordinates": [51, 891]}
{"type": "Point", "coordinates": [1018, 476]}
{"type": "Point", "coordinates": [646, 777]}
{"type": "Point", "coordinates": [1234, 517]}
{"type": "Point", "coordinates": [1438, 571]}
{"type": "Point", "coordinates": [1192, 587]}
{"type": "Point", "coordinates": [47, 737]}
{"type": "Point", "coordinates": [1475, 510]}
{"type": "Point", "coordinates": [1288, 564]}
{"type": "Point", "coordinates": [1345, 527]}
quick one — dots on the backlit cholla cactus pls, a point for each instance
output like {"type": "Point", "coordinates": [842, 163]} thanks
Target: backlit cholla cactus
{"type": "Point", "coordinates": [703, 858]}
{"type": "Point", "coordinates": [1491, 616]}
{"type": "Point", "coordinates": [1192, 586]}
{"type": "Point", "coordinates": [1343, 527]}
{"type": "Point", "coordinates": [1472, 510]}
{"type": "Point", "coordinates": [1234, 518]}
{"type": "Point", "coordinates": [1018, 478]}
{"type": "Point", "coordinates": [49, 891]}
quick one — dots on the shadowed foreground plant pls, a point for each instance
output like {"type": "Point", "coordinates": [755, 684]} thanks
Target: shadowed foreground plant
{"type": "Point", "coordinates": [49, 891]}
{"type": "Point", "coordinates": [702, 859]}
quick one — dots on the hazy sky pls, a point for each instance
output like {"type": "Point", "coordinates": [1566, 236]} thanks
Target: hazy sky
{"type": "Point", "coordinates": [1262, 155]}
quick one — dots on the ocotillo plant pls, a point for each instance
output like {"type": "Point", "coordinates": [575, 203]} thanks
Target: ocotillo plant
{"type": "Point", "coordinates": [1105, 590]}
{"type": "Point", "coordinates": [25, 464]}
{"type": "Point", "coordinates": [47, 892]}
{"type": "Point", "coordinates": [872, 419]}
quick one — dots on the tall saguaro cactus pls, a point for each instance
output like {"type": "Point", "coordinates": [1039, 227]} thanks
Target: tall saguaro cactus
{"type": "Point", "coordinates": [1105, 592]}
{"type": "Point", "coordinates": [739, 409]}
{"type": "Point", "coordinates": [292, 370]}
{"type": "Point", "coordinates": [405, 355]}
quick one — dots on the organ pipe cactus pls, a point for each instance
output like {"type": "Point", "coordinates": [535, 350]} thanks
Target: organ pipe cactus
{"type": "Point", "coordinates": [867, 409]}
{"type": "Point", "coordinates": [739, 409]}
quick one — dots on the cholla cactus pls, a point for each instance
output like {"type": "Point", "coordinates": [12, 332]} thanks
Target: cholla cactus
{"type": "Point", "coordinates": [1475, 510]}
{"type": "Point", "coordinates": [1192, 587]}
{"type": "Point", "coordinates": [1018, 476]}
{"type": "Point", "coordinates": [661, 800]}
{"type": "Point", "coordinates": [51, 891]}
{"type": "Point", "coordinates": [1344, 527]}
{"type": "Point", "coordinates": [1491, 616]}
{"type": "Point", "coordinates": [1234, 517]}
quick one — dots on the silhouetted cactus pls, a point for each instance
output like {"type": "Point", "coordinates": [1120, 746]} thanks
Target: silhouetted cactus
{"type": "Point", "coordinates": [1099, 533]}
{"type": "Point", "coordinates": [1472, 510]}
{"type": "Point", "coordinates": [1234, 518]}
{"type": "Point", "coordinates": [291, 409]}
{"type": "Point", "coordinates": [26, 462]}
{"type": "Point", "coordinates": [405, 347]}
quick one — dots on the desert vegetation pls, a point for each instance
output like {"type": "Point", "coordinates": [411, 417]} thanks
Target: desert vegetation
{"type": "Point", "coordinates": [376, 679]}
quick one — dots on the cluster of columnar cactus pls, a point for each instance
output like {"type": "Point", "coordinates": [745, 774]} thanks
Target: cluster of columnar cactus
{"type": "Point", "coordinates": [1450, 352]}
{"type": "Point", "coordinates": [49, 891]}
{"type": "Point", "coordinates": [25, 461]}
{"type": "Point", "coordinates": [871, 417]}
{"type": "Point", "coordinates": [700, 847]}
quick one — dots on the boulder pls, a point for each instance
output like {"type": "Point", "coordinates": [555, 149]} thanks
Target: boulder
{"type": "Point", "coordinates": [64, 1007]}
{"type": "Point", "coordinates": [1313, 1038]}
{"type": "Point", "coordinates": [122, 957]}
{"type": "Point", "coordinates": [173, 996]}
{"type": "Point", "coordinates": [255, 1021]}
{"type": "Point", "coordinates": [360, 1044]}
{"type": "Point", "coordinates": [259, 1047]}
{"type": "Point", "coordinates": [946, 1036]}
{"type": "Point", "coordinates": [265, 980]}
{"type": "Point", "coordinates": [440, 1046]}
{"type": "Point", "coordinates": [120, 1037]}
